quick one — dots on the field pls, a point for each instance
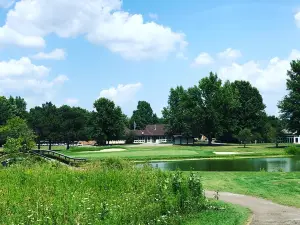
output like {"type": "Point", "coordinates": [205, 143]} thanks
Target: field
{"type": "Point", "coordinates": [107, 192]}
{"type": "Point", "coordinates": [282, 188]}
{"type": "Point", "coordinates": [141, 152]}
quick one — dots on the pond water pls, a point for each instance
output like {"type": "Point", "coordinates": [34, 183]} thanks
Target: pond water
{"type": "Point", "coordinates": [255, 164]}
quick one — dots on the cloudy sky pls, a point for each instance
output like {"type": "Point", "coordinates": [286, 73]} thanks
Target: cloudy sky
{"type": "Point", "coordinates": [72, 52]}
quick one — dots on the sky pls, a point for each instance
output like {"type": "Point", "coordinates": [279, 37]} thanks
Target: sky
{"type": "Point", "coordinates": [73, 52]}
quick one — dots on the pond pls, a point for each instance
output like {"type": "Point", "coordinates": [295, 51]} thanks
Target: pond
{"type": "Point", "coordinates": [255, 164]}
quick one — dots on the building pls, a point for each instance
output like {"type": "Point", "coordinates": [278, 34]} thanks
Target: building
{"type": "Point", "coordinates": [183, 140]}
{"type": "Point", "coordinates": [155, 133]}
{"type": "Point", "coordinates": [290, 137]}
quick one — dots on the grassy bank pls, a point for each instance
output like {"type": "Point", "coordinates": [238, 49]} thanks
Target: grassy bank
{"type": "Point", "coordinates": [141, 152]}
{"type": "Point", "coordinates": [108, 192]}
{"type": "Point", "coordinates": [282, 188]}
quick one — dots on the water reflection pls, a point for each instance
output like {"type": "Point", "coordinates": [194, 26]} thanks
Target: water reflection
{"type": "Point", "coordinates": [257, 164]}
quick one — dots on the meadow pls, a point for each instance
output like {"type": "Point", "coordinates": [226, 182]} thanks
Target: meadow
{"type": "Point", "coordinates": [108, 192]}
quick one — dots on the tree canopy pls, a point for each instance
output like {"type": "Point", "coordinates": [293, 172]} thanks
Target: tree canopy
{"type": "Point", "coordinates": [143, 116]}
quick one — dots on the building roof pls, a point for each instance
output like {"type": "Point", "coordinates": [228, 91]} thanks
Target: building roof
{"type": "Point", "coordinates": [152, 130]}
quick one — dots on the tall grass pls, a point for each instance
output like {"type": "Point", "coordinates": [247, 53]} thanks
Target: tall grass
{"type": "Point", "coordinates": [108, 192]}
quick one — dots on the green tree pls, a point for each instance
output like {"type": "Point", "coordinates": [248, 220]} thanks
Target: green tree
{"type": "Point", "coordinates": [72, 123]}
{"type": "Point", "coordinates": [250, 113]}
{"type": "Point", "coordinates": [17, 129]}
{"type": "Point", "coordinates": [6, 110]}
{"type": "Point", "coordinates": [245, 136]}
{"type": "Point", "coordinates": [19, 106]}
{"type": "Point", "coordinates": [143, 116]}
{"type": "Point", "coordinates": [210, 106]}
{"type": "Point", "coordinates": [274, 130]}
{"type": "Point", "coordinates": [289, 106]}
{"type": "Point", "coordinates": [174, 115]}
{"type": "Point", "coordinates": [45, 122]}
{"type": "Point", "coordinates": [108, 121]}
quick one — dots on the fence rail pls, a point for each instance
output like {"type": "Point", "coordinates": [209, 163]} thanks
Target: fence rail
{"type": "Point", "coordinates": [57, 155]}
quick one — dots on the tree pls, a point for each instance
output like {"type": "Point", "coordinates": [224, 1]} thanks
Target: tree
{"type": "Point", "coordinates": [209, 107]}
{"type": "Point", "coordinates": [45, 122]}
{"type": "Point", "coordinates": [16, 131]}
{"type": "Point", "coordinates": [72, 123]}
{"type": "Point", "coordinates": [174, 115]}
{"type": "Point", "coordinates": [289, 106]}
{"type": "Point", "coordinates": [274, 129]}
{"type": "Point", "coordinates": [19, 107]}
{"type": "Point", "coordinates": [245, 136]}
{"type": "Point", "coordinates": [108, 121]}
{"type": "Point", "coordinates": [6, 110]}
{"type": "Point", "coordinates": [143, 116]}
{"type": "Point", "coordinates": [250, 113]}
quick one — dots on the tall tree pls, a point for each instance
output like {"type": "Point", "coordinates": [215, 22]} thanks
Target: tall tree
{"type": "Point", "coordinates": [6, 110]}
{"type": "Point", "coordinates": [210, 106]}
{"type": "Point", "coordinates": [19, 106]}
{"type": "Point", "coordinates": [45, 122]}
{"type": "Point", "coordinates": [174, 115]}
{"type": "Point", "coordinates": [250, 113]}
{"type": "Point", "coordinates": [72, 123]}
{"type": "Point", "coordinates": [290, 105]}
{"type": "Point", "coordinates": [108, 121]}
{"type": "Point", "coordinates": [143, 116]}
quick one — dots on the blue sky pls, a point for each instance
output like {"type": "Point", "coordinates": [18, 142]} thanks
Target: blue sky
{"type": "Point", "coordinates": [72, 52]}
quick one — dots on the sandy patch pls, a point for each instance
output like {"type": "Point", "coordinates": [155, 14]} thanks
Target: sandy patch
{"type": "Point", "coordinates": [108, 150]}
{"type": "Point", "coordinates": [231, 153]}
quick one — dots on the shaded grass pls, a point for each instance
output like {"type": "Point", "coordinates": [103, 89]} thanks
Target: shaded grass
{"type": "Point", "coordinates": [282, 188]}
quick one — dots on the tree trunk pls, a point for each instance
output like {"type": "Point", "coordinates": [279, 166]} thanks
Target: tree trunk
{"type": "Point", "coordinates": [276, 142]}
{"type": "Point", "coordinates": [209, 140]}
{"type": "Point", "coordinates": [39, 144]}
{"type": "Point", "coordinates": [50, 145]}
{"type": "Point", "coordinates": [244, 144]}
{"type": "Point", "coordinates": [68, 145]}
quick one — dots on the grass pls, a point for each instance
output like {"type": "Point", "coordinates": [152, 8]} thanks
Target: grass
{"type": "Point", "coordinates": [107, 192]}
{"type": "Point", "coordinates": [282, 188]}
{"type": "Point", "coordinates": [174, 152]}
{"type": "Point", "coordinates": [233, 214]}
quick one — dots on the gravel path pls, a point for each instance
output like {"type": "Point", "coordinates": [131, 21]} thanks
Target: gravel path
{"type": "Point", "coordinates": [264, 212]}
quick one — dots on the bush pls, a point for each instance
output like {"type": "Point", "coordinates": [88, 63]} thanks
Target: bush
{"type": "Point", "coordinates": [130, 137]}
{"type": "Point", "coordinates": [292, 150]}
{"type": "Point", "coordinates": [12, 145]}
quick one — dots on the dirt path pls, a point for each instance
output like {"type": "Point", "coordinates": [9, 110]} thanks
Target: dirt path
{"type": "Point", "coordinates": [264, 212]}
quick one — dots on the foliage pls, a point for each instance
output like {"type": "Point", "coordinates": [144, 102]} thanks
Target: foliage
{"type": "Point", "coordinates": [6, 110]}
{"type": "Point", "coordinates": [289, 106]}
{"type": "Point", "coordinates": [143, 116]}
{"type": "Point", "coordinates": [19, 133]}
{"type": "Point", "coordinates": [108, 121]}
{"type": "Point", "coordinates": [245, 136]}
{"type": "Point", "coordinates": [130, 137]}
{"type": "Point", "coordinates": [102, 193]}
{"type": "Point", "coordinates": [19, 107]}
{"type": "Point", "coordinates": [292, 150]}
{"type": "Point", "coordinates": [12, 145]}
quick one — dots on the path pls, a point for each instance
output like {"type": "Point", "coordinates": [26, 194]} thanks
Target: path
{"type": "Point", "coordinates": [264, 212]}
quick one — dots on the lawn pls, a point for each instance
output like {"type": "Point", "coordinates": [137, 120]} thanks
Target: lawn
{"type": "Point", "coordinates": [282, 188]}
{"type": "Point", "coordinates": [141, 152]}
{"type": "Point", "coordinates": [110, 192]}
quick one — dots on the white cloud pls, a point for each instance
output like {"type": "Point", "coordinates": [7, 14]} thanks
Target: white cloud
{"type": "Point", "coordinates": [56, 54]}
{"type": "Point", "coordinates": [102, 22]}
{"type": "Point", "coordinates": [230, 53]}
{"type": "Point", "coordinates": [203, 59]}
{"type": "Point", "coordinates": [297, 19]}
{"type": "Point", "coordinates": [22, 77]}
{"type": "Point", "coordinates": [181, 55]}
{"type": "Point", "coordinates": [122, 94]}
{"type": "Point", "coordinates": [153, 16]}
{"type": "Point", "coordinates": [72, 101]}
{"type": "Point", "coordinates": [6, 3]}
{"type": "Point", "coordinates": [270, 79]}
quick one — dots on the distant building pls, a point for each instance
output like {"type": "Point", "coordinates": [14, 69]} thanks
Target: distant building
{"type": "Point", "coordinates": [155, 133]}
{"type": "Point", "coordinates": [290, 137]}
{"type": "Point", "coordinates": [183, 140]}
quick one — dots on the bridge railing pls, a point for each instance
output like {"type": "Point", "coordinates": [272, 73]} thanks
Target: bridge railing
{"type": "Point", "coordinates": [58, 155]}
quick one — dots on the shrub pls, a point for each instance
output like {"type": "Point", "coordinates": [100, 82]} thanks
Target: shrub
{"type": "Point", "coordinates": [12, 145]}
{"type": "Point", "coordinates": [292, 150]}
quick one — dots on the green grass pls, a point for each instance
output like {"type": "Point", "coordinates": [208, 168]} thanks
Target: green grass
{"type": "Point", "coordinates": [174, 152]}
{"type": "Point", "coordinates": [107, 192]}
{"type": "Point", "coordinates": [282, 188]}
{"type": "Point", "coordinates": [232, 214]}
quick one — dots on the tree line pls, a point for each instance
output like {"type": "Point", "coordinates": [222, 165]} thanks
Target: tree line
{"type": "Point", "coordinates": [228, 111]}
